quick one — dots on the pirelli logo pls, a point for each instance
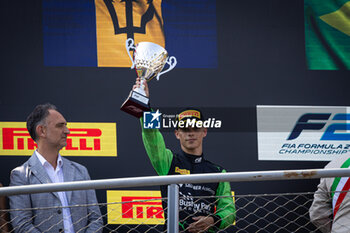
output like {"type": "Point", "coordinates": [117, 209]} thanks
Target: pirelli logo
{"type": "Point", "coordinates": [85, 139]}
{"type": "Point", "coordinates": [134, 207]}
{"type": "Point", "coordinates": [182, 171]}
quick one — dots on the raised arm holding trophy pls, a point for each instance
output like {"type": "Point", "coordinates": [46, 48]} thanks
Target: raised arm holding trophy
{"type": "Point", "coordinates": [148, 60]}
{"type": "Point", "coordinates": [212, 206]}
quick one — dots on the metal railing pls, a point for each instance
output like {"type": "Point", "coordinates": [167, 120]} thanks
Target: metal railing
{"type": "Point", "coordinates": [176, 179]}
{"type": "Point", "coordinates": [171, 180]}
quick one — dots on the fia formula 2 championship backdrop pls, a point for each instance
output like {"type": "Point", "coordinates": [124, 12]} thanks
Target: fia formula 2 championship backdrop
{"type": "Point", "coordinates": [262, 68]}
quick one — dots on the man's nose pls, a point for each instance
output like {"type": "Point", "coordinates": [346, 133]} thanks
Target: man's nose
{"type": "Point", "coordinates": [191, 130]}
{"type": "Point", "coordinates": [190, 133]}
{"type": "Point", "coordinates": [66, 130]}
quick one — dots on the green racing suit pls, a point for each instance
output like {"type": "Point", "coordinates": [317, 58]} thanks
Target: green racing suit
{"type": "Point", "coordinates": [218, 201]}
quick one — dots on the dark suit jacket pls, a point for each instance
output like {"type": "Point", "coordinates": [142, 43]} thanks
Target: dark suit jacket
{"type": "Point", "coordinates": [84, 218]}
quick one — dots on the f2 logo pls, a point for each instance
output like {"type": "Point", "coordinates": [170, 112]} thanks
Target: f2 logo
{"type": "Point", "coordinates": [329, 134]}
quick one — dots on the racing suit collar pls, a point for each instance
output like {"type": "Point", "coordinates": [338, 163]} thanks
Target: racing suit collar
{"type": "Point", "coordinates": [193, 158]}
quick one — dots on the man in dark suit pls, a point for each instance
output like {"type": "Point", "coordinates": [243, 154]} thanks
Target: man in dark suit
{"type": "Point", "coordinates": [48, 128]}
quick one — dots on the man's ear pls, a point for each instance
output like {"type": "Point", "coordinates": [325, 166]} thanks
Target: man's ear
{"type": "Point", "coordinates": [40, 130]}
{"type": "Point", "coordinates": [176, 134]}
{"type": "Point", "coordinates": [205, 131]}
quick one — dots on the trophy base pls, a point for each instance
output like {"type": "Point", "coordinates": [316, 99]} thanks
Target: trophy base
{"type": "Point", "coordinates": [136, 104]}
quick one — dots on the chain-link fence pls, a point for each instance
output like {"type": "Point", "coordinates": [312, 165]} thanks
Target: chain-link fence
{"type": "Point", "coordinates": [142, 211]}
{"type": "Point", "coordinates": [286, 212]}
{"type": "Point", "coordinates": [274, 213]}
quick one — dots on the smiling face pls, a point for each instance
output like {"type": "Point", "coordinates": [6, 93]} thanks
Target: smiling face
{"type": "Point", "coordinates": [191, 139]}
{"type": "Point", "coordinates": [54, 131]}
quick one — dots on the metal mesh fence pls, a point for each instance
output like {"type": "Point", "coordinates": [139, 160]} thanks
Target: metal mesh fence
{"type": "Point", "coordinates": [274, 213]}
{"type": "Point", "coordinates": [286, 212]}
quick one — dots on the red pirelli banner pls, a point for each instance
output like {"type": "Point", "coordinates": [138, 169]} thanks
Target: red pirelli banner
{"type": "Point", "coordinates": [134, 207]}
{"type": "Point", "coordinates": [85, 139]}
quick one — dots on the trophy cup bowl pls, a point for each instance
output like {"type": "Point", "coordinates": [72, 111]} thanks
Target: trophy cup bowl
{"type": "Point", "coordinates": [148, 60]}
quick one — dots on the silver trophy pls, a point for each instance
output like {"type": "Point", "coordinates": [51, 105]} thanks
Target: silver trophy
{"type": "Point", "coordinates": [149, 60]}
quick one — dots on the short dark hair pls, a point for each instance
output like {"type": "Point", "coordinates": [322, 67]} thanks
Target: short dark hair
{"type": "Point", "coordinates": [38, 115]}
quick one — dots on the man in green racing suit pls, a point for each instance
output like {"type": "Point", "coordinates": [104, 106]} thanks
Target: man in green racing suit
{"type": "Point", "coordinates": [203, 207]}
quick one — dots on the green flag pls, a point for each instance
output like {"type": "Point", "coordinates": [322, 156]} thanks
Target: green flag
{"type": "Point", "coordinates": [327, 34]}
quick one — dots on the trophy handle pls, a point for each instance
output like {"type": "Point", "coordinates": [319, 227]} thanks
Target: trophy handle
{"type": "Point", "coordinates": [171, 61]}
{"type": "Point", "coordinates": [129, 44]}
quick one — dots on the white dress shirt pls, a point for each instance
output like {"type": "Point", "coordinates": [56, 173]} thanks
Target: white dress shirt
{"type": "Point", "coordinates": [56, 176]}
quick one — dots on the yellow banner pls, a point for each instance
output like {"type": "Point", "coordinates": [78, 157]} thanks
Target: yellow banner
{"type": "Point", "coordinates": [135, 207]}
{"type": "Point", "coordinates": [85, 139]}
{"type": "Point", "coordinates": [116, 21]}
